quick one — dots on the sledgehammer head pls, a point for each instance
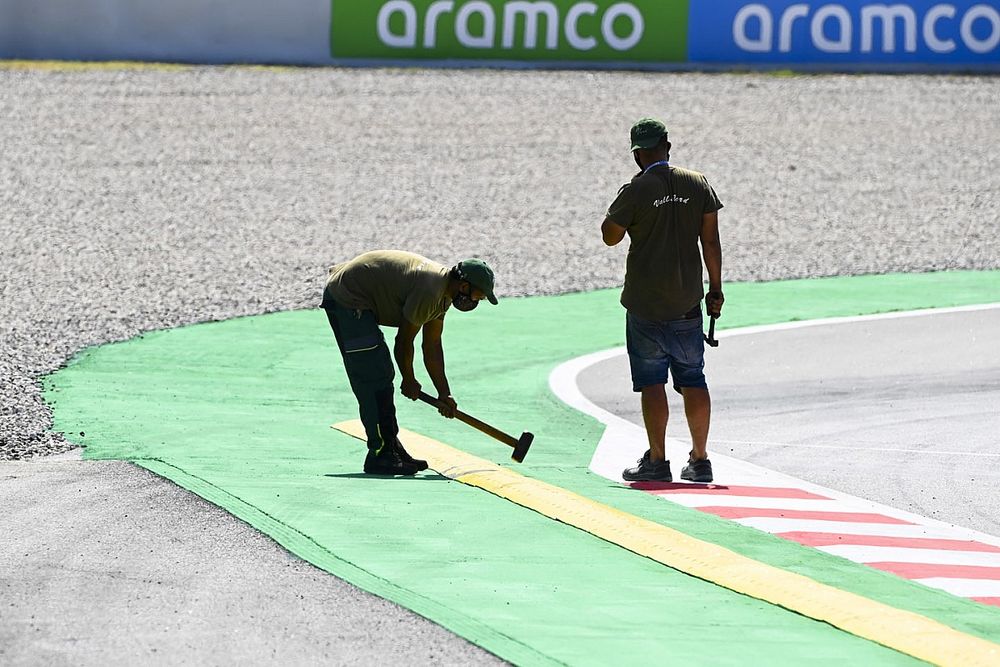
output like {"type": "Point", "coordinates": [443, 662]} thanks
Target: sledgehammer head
{"type": "Point", "coordinates": [521, 448]}
{"type": "Point", "coordinates": [710, 338]}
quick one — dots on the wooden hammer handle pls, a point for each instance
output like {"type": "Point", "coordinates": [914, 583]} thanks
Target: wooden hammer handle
{"type": "Point", "coordinates": [473, 422]}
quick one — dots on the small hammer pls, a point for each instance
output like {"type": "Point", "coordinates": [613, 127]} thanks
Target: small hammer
{"type": "Point", "coordinates": [710, 338]}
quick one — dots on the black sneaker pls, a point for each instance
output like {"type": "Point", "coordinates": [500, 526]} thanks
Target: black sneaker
{"type": "Point", "coordinates": [387, 462]}
{"type": "Point", "coordinates": [405, 457]}
{"type": "Point", "coordinates": [647, 471]}
{"type": "Point", "coordinates": [697, 471]}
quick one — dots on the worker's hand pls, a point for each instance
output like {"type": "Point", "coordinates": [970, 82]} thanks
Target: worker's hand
{"type": "Point", "coordinates": [713, 302]}
{"type": "Point", "coordinates": [410, 388]}
{"type": "Point", "coordinates": [447, 406]}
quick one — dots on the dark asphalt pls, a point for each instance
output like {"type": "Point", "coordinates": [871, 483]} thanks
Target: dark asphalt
{"type": "Point", "coordinates": [902, 411]}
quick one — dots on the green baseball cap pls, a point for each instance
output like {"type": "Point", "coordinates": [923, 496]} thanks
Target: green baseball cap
{"type": "Point", "coordinates": [478, 274]}
{"type": "Point", "coordinates": [646, 133]}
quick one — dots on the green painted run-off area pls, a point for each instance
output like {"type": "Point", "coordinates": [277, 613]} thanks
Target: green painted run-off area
{"type": "Point", "coordinates": [239, 413]}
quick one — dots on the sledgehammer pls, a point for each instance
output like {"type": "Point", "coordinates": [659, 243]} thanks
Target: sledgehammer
{"type": "Point", "coordinates": [520, 445]}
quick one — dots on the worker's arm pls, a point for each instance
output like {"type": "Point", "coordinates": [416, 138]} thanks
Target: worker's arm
{"type": "Point", "coordinates": [403, 351]}
{"type": "Point", "coordinates": [613, 232]}
{"type": "Point", "coordinates": [434, 363]}
{"type": "Point", "coordinates": [711, 249]}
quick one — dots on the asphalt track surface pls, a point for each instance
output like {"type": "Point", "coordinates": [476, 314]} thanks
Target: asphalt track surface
{"type": "Point", "coordinates": [901, 411]}
{"type": "Point", "coordinates": [104, 563]}
{"type": "Point", "coordinates": [138, 200]}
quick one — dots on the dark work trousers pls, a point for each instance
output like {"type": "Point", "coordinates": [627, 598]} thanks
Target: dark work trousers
{"type": "Point", "coordinates": [369, 368]}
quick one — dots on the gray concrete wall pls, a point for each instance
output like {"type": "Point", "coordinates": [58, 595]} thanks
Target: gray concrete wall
{"type": "Point", "coordinates": [204, 31]}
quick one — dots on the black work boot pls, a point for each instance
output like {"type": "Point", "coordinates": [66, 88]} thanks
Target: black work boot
{"type": "Point", "coordinates": [647, 471]}
{"type": "Point", "coordinates": [697, 471]}
{"type": "Point", "coordinates": [405, 457]}
{"type": "Point", "coordinates": [388, 462]}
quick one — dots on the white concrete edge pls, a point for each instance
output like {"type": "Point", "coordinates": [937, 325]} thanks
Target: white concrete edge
{"type": "Point", "coordinates": [623, 441]}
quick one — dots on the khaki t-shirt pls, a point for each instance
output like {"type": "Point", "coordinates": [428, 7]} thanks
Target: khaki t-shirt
{"type": "Point", "coordinates": [394, 284]}
{"type": "Point", "coordinates": [662, 210]}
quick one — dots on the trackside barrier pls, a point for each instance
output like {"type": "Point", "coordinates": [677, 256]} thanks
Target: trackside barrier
{"type": "Point", "coordinates": [849, 35]}
{"type": "Point", "coordinates": [194, 31]}
{"type": "Point", "coordinates": [601, 31]}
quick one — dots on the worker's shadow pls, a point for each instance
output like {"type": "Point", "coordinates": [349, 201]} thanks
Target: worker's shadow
{"type": "Point", "coordinates": [676, 486]}
{"type": "Point", "coordinates": [429, 477]}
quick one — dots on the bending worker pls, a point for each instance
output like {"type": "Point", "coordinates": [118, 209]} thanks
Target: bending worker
{"type": "Point", "coordinates": [412, 293]}
{"type": "Point", "coordinates": [666, 211]}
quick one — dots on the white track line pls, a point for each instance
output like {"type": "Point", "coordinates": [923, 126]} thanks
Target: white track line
{"type": "Point", "coordinates": [966, 588]}
{"type": "Point", "coordinates": [713, 500]}
{"type": "Point", "coordinates": [745, 331]}
{"type": "Point", "coordinates": [865, 554]}
{"type": "Point", "coordinates": [778, 525]}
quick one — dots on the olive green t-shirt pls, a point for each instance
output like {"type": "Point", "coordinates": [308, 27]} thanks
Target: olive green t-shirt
{"type": "Point", "coordinates": [662, 211]}
{"type": "Point", "coordinates": [394, 284]}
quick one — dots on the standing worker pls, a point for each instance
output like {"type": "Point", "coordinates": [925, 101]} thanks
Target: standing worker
{"type": "Point", "coordinates": [666, 211]}
{"type": "Point", "coordinates": [397, 289]}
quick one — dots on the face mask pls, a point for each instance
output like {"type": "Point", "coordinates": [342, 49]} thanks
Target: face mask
{"type": "Point", "coordinates": [464, 302]}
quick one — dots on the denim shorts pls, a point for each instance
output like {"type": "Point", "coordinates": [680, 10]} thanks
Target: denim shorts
{"type": "Point", "coordinates": [656, 348]}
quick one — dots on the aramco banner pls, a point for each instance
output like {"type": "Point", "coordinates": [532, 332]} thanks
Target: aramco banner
{"type": "Point", "coordinates": [849, 35]}
{"type": "Point", "coordinates": [641, 31]}
{"type": "Point", "coordinates": [845, 35]}
{"type": "Point", "coordinates": [903, 35]}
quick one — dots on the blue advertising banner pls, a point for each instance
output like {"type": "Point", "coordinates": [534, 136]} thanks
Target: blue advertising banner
{"type": "Point", "coordinates": [909, 35]}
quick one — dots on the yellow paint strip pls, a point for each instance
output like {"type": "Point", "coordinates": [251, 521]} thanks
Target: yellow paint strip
{"type": "Point", "coordinates": [901, 630]}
